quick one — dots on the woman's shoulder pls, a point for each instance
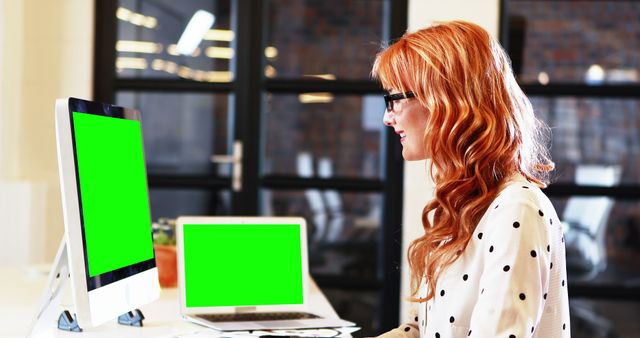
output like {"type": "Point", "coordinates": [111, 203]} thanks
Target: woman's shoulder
{"type": "Point", "coordinates": [518, 190]}
{"type": "Point", "coordinates": [515, 212]}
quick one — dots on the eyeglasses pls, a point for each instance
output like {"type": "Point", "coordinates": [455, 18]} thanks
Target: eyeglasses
{"type": "Point", "coordinates": [389, 98]}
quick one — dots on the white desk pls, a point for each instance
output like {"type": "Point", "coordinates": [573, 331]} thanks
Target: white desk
{"type": "Point", "coordinates": [21, 289]}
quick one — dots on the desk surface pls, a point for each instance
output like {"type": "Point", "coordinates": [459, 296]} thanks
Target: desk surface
{"type": "Point", "coordinates": [21, 289]}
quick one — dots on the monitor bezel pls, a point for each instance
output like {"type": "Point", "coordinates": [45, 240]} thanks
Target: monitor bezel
{"type": "Point", "coordinates": [106, 300]}
{"type": "Point", "coordinates": [266, 220]}
{"type": "Point", "coordinates": [107, 110]}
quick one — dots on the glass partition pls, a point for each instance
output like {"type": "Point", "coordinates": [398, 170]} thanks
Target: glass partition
{"type": "Point", "coordinates": [576, 42]}
{"type": "Point", "coordinates": [323, 39]}
{"type": "Point", "coordinates": [181, 131]}
{"type": "Point", "coordinates": [148, 33]}
{"type": "Point", "coordinates": [323, 135]}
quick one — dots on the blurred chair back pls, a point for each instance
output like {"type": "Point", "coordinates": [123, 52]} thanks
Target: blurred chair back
{"type": "Point", "coordinates": [585, 220]}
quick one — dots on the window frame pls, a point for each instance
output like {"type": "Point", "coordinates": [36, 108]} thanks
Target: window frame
{"type": "Point", "coordinates": [248, 86]}
{"type": "Point", "coordinates": [627, 192]}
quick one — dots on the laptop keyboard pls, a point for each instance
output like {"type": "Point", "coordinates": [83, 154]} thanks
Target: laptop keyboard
{"type": "Point", "coordinates": [255, 317]}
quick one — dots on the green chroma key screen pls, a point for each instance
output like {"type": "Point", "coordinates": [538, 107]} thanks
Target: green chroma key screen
{"type": "Point", "coordinates": [113, 189]}
{"type": "Point", "coordinates": [242, 264]}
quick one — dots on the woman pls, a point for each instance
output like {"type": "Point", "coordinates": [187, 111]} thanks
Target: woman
{"type": "Point", "coordinates": [491, 262]}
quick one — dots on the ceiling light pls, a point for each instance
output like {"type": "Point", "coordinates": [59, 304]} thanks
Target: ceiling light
{"type": "Point", "coordinates": [185, 72]}
{"type": "Point", "coordinates": [173, 50]}
{"type": "Point", "coordinates": [322, 76]}
{"type": "Point", "coordinates": [595, 74]}
{"type": "Point", "coordinates": [270, 72]}
{"type": "Point", "coordinates": [137, 19]}
{"type": "Point", "coordinates": [123, 14]}
{"type": "Point", "coordinates": [220, 35]}
{"type": "Point", "coordinates": [543, 78]}
{"type": "Point", "coordinates": [138, 46]}
{"type": "Point", "coordinates": [271, 52]}
{"type": "Point", "coordinates": [315, 98]}
{"type": "Point", "coordinates": [131, 63]}
{"type": "Point", "coordinates": [157, 64]}
{"type": "Point", "coordinates": [196, 29]}
{"type": "Point", "coordinates": [219, 76]}
{"type": "Point", "coordinates": [150, 22]}
{"type": "Point", "coordinates": [220, 52]}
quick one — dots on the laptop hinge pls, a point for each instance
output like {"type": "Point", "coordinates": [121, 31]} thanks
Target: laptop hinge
{"type": "Point", "coordinates": [244, 309]}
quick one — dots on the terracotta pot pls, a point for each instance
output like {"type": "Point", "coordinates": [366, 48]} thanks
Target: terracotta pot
{"type": "Point", "coordinates": [167, 264]}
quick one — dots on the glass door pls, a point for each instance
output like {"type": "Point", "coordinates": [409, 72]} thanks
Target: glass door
{"type": "Point", "coordinates": [271, 113]}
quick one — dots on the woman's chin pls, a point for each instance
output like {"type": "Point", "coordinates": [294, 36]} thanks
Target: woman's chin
{"type": "Point", "coordinates": [409, 155]}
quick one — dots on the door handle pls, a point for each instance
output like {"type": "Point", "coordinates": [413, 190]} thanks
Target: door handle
{"type": "Point", "coordinates": [235, 159]}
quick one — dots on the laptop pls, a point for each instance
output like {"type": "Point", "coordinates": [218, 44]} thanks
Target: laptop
{"type": "Point", "coordinates": [246, 273]}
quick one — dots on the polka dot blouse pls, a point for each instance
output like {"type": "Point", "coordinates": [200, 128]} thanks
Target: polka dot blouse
{"type": "Point", "coordinates": [509, 282]}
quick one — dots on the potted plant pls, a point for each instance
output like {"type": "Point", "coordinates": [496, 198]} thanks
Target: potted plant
{"type": "Point", "coordinates": [164, 245]}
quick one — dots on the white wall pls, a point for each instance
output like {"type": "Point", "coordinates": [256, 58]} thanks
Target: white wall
{"type": "Point", "coordinates": [418, 187]}
{"type": "Point", "coordinates": [47, 53]}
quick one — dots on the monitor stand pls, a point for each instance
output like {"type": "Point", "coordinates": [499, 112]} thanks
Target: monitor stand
{"type": "Point", "coordinates": [56, 283]}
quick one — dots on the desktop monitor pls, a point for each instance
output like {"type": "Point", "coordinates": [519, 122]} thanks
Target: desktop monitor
{"type": "Point", "coordinates": [106, 211]}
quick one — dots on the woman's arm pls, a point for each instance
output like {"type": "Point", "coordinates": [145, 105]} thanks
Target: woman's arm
{"type": "Point", "coordinates": [515, 276]}
{"type": "Point", "coordinates": [407, 330]}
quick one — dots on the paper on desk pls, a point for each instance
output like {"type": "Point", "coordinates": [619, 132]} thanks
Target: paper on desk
{"type": "Point", "coordinates": [208, 333]}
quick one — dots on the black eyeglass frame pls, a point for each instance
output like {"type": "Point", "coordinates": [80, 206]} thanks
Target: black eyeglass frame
{"type": "Point", "coordinates": [389, 98]}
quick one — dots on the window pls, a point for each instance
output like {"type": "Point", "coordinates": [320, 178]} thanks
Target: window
{"type": "Point", "coordinates": [287, 82]}
{"type": "Point", "coordinates": [578, 62]}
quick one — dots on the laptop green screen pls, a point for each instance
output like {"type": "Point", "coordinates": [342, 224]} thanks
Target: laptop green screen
{"type": "Point", "coordinates": [113, 192]}
{"type": "Point", "coordinates": [242, 264]}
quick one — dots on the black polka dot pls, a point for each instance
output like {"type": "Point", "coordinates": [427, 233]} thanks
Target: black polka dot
{"type": "Point", "coordinates": [512, 336]}
{"type": "Point", "coordinates": [491, 248]}
{"type": "Point", "coordinates": [516, 224]}
{"type": "Point", "coordinates": [532, 329]}
{"type": "Point", "coordinates": [548, 248]}
{"type": "Point", "coordinates": [416, 319]}
{"type": "Point", "coordinates": [551, 265]}
{"type": "Point", "coordinates": [496, 207]}
{"type": "Point", "coordinates": [564, 326]}
{"type": "Point", "coordinates": [551, 221]}
{"type": "Point", "coordinates": [406, 329]}
{"type": "Point", "coordinates": [540, 213]}
{"type": "Point", "coordinates": [441, 292]}
{"type": "Point", "coordinates": [563, 282]}
{"type": "Point", "coordinates": [525, 187]}
{"type": "Point", "coordinates": [482, 291]}
{"type": "Point", "coordinates": [465, 277]}
{"type": "Point", "coordinates": [506, 268]}
{"type": "Point", "coordinates": [480, 235]}
{"type": "Point", "coordinates": [533, 253]}
{"type": "Point", "coordinates": [545, 296]}
{"type": "Point", "coordinates": [451, 319]}
{"type": "Point", "coordinates": [469, 333]}
{"type": "Point", "coordinates": [437, 335]}
{"type": "Point", "coordinates": [522, 296]}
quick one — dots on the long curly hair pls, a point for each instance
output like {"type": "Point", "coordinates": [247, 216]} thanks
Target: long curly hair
{"type": "Point", "coordinates": [481, 130]}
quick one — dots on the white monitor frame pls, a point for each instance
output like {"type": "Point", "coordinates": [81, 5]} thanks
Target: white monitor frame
{"type": "Point", "coordinates": [182, 220]}
{"type": "Point", "coordinates": [114, 297]}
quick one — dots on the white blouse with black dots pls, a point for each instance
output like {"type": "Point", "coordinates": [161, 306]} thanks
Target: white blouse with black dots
{"type": "Point", "coordinates": [510, 281]}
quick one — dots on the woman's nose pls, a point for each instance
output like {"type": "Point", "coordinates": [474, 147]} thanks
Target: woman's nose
{"type": "Point", "coordinates": [388, 118]}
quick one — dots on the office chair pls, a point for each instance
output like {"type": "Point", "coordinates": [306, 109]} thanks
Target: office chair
{"type": "Point", "coordinates": [585, 225]}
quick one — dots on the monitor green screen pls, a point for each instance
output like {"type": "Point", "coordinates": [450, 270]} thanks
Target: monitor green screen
{"type": "Point", "coordinates": [113, 192]}
{"type": "Point", "coordinates": [242, 264]}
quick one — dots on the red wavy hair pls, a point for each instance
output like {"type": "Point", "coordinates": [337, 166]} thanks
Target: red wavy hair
{"type": "Point", "coordinates": [480, 131]}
